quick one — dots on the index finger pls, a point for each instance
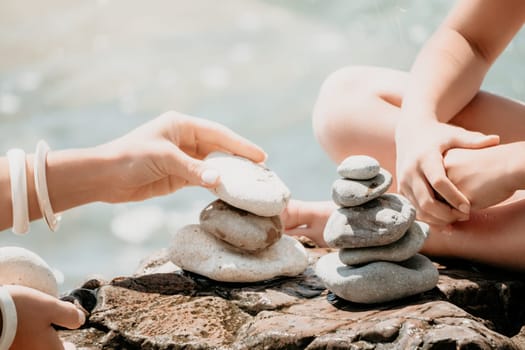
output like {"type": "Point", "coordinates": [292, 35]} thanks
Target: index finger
{"type": "Point", "coordinates": [438, 180]}
{"type": "Point", "coordinates": [224, 138]}
{"type": "Point", "coordinates": [67, 315]}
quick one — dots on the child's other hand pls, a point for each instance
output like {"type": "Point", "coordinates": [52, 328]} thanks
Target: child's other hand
{"type": "Point", "coordinates": [307, 219]}
{"type": "Point", "coordinates": [421, 174]}
{"type": "Point", "coordinates": [484, 175]}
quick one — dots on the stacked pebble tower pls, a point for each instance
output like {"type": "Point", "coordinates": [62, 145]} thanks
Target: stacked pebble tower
{"type": "Point", "coordinates": [377, 236]}
{"type": "Point", "coordinates": [240, 236]}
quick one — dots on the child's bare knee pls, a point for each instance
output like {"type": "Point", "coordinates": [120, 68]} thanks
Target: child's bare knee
{"type": "Point", "coordinates": [336, 109]}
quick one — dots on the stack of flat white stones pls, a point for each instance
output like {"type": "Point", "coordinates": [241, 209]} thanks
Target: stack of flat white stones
{"type": "Point", "coordinates": [377, 236]}
{"type": "Point", "coordinates": [240, 236]}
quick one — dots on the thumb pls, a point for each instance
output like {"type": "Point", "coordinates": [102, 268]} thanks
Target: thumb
{"type": "Point", "coordinates": [472, 139]}
{"type": "Point", "coordinates": [194, 171]}
{"type": "Point", "coordinates": [67, 315]}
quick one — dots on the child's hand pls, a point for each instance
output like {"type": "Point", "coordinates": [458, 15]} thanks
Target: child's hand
{"type": "Point", "coordinates": [36, 312]}
{"type": "Point", "coordinates": [486, 175]}
{"type": "Point", "coordinates": [420, 170]}
{"type": "Point", "coordinates": [307, 219]}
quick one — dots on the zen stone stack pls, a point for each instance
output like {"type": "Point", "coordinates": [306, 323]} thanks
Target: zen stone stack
{"type": "Point", "coordinates": [240, 236]}
{"type": "Point", "coordinates": [377, 236]}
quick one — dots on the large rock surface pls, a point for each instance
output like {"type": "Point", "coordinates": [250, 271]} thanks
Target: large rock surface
{"type": "Point", "coordinates": [472, 307]}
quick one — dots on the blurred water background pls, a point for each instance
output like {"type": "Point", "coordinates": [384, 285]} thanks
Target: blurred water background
{"type": "Point", "coordinates": [78, 73]}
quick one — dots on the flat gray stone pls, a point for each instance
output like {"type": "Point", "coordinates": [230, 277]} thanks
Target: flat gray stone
{"type": "Point", "coordinates": [359, 167]}
{"type": "Point", "coordinates": [240, 228]}
{"type": "Point", "coordinates": [377, 282]}
{"type": "Point", "coordinates": [379, 222]}
{"type": "Point", "coordinates": [351, 193]}
{"type": "Point", "coordinates": [402, 249]}
{"type": "Point", "coordinates": [248, 186]}
{"type": "Point", "coordinates": [195, 250]}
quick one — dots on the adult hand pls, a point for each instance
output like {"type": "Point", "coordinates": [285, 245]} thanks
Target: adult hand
{"type": "Point", "coordinates": [307, 219]}
{"type": "Point", "coordinates": [420, 171]}
{"type": "Point", "coordinates": [166, 154]}
{"type": "Point", "coordinates": [485, 175]}
{"type": "Point", "coordinates": [36, 312]}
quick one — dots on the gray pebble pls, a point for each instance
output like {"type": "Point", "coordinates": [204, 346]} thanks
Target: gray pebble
{"type": "Point", "coordinates": [358, 168]}
{"type": "Point", "coordinates": [402, 249]}
{"type": "Point", "coordinates": [240, 228]}
{"type": "Point", "coordinates": [378, 281]}
{"type": "Point", "coordinates": [350, 193]}
{"type": "Point", "coordinates": [378, 222]}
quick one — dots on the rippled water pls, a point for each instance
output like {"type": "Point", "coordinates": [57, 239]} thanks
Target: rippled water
{"type": "Point", "coordinates": [78, 73]}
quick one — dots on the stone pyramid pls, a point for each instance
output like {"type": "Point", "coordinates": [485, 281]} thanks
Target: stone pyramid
{"type": "Point", "coordinates": [377, 236]}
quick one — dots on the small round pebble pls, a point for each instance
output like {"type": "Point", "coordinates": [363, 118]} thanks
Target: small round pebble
{"type": "Point", "coordinates": [240, 228]}
{"type": "Point", "coordinates": [351, 193]}
{"type": "Point", "coordinates": [359, 167]}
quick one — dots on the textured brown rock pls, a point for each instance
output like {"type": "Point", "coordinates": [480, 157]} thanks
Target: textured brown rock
{"type": "Point", "coordinates": [469, 309]}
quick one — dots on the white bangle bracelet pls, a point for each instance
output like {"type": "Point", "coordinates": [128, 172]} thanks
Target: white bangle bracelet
{"type": "Point", "coordinates": [17, 173]}
{"type": "Point", "coordinates": [9, 319]}
{"type": "Point", "coordinates": [42, 194]}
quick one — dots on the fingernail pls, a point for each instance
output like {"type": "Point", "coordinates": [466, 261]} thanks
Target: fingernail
{"type": "Point", "coordinates": [209, 176]}
{"type": "Point", "coordinates": [81, 317]}
{"type": "Point", "coordinates": [463, 219]}
{"type": "Point", "coordinates": [464, 208]}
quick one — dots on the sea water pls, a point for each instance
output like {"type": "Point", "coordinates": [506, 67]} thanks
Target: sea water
{"type": "Point", "coordinates": [80, 73]}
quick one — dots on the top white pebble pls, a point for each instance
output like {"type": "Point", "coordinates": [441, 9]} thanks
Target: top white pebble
{"type": "Point", "coordinates": [358, 168]}
{"type": "Point", "coordinates": [248, 186]}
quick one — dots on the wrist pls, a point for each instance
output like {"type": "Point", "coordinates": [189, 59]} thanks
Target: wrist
{"type": "Point", "coordinates": [76, 177]}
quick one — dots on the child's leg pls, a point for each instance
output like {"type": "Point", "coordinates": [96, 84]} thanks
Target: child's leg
{"type": "Point", "coordinates": [356, 113]}
{"type": "Point", "coordinates": [495, 236]}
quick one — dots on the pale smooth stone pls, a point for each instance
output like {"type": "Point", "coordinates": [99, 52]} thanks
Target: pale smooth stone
{"type": "Point", "coordinates": [402, 249]}
{"type": "Point", "coordinates": [240, 228]}
{"type": "Point", "coordinates": [378, 281]}
{"type": "Point", "coordinates": [195, 250]}
{"type": "Point", "coordinates": [378, 222]}
{"type": "Point", "coordinates": [351, 193]}
{"type": "Point", "coordinates": [23, 267]}
{"type": "Point", "coordinates": [248, 186]}
{"type": "Point", "coordinates": [359, 167]}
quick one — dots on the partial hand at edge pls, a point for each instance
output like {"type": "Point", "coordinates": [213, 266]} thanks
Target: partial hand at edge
{"type": "Point", "coordinates": [301, 218]}
{"type": "Point", "coordinates": [36, 313]}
